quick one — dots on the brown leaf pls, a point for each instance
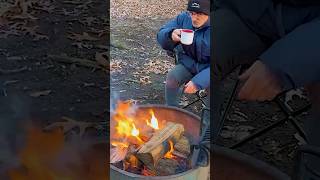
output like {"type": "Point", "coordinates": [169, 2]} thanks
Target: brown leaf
{"type": "Point", "coordinates": [40, 93]}
{"type": "Point", "coordinates": [69, 124]}
{"type": "Point", "coordinates": [82, 37]}
{"type": "Point", "coordinates": [145, 80]}
{"type": "Point", "coordinates": [81, 45]}
{"type": "Point", "coordinates": [72, 2]}
{"type": "Point", "coordinates": [89, 21]}
{"type": "Point", "coordinates": [102, 59]}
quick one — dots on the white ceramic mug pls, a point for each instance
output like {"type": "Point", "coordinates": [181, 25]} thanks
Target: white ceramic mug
{"type": "Point", "coordinates": [187, 36]}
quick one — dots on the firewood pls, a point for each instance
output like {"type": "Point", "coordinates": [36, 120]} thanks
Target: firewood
{"type": "Point", "coordinates": [132, 161]}
{"type": "Point", "coordinates": [179, 154]}
{"type": "Point", "coordinates": [158, 145]}
{"type": "Point", "coordinates": [183, 146]}
{"type": "Point", "coordinates": [118, 154]}
{"type": "Point", "coordinates": [166, 167]}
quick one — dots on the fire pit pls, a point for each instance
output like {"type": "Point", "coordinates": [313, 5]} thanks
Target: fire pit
{"type": "Point", "coordinates": [191, 124]}
{"type": "Point", "coordinates": [229, 164]}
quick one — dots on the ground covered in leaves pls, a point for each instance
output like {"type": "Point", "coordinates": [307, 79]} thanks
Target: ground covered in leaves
{"type": "Point", "coordinates": [53, 58]}
{"type": "Point", "coordinates": [139, 67]}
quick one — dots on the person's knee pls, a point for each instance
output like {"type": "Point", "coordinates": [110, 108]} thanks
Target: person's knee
{"type": "Point", "coordinates": [172, 82]}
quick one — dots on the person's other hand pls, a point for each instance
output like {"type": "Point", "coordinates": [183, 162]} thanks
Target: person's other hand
{"type": "Point", "coordinates": [260, 84]}
{"type": "Point", "coordinates": [190, 88]}
{"type": "Point", "coordinates": [175, 36]}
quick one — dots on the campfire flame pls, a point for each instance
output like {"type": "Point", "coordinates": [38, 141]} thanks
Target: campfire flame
{"type": "Point", "coordinates": [125, 127]}
{"type": "Point", "coordinates": [154, 122]}
{"type": "Point", "coordinates": [169, 154]}
{"type": "Point", "coordinates": [134, 131]}
{"type": "Point", "coordinates": [47, 155]}
{"type": "Point", "coordinates": [35, 158]}
{"type": "Point", "coordinates": [129, 134]}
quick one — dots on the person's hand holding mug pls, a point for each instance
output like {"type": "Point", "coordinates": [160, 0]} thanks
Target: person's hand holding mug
{"type": "Point", "coordinates": [175, 35]}
{"type": "Point", "coordinates": [190, 88]}
{"type": "Point", "coordinates": [260, 83]}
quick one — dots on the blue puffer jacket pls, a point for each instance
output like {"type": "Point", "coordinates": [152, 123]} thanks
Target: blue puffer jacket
{"type": "Point", "coordinates": [196, 57]}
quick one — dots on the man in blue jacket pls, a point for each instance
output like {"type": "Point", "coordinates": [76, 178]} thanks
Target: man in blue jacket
{"type": "Point", "coordinates": [281, 39]}
{"type": "Point", "coordinates": [193, 68]}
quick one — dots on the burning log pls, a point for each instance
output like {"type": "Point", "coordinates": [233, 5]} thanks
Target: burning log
{"type": "Point", "coordinates": [166, 167]}
{"type": "Point", "coordinates": [183, 146]}
{"type": "Point", "coordinates": [118, 154]}
{"type": "Point", "coordinates": [132, 162]}
{"type": "Point", "coordinates": [158, 145]}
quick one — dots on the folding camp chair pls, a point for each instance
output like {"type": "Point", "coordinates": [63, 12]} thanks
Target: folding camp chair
{"type": "Point", "coordinates": [201, 94]}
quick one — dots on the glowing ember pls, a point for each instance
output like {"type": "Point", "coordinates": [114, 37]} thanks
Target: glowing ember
{"type": "Point", "coordinates": [169, 154]}
{"type": "Point", "coordinates": [133, 161]}
{"type": "Point", "coordinates": [154, 122]}
{"type": "Point", "coordinates": [146, 172]}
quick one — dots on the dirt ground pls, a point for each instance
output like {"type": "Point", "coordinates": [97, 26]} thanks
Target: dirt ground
{"type": "Point", "coordinates": [39, 39]}
{"type": "Point", "coordinates": [138, 71]}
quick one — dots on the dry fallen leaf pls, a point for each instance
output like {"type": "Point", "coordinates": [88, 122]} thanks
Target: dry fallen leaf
{"type": "Point", "coordinates": [69, 124]}
{"type": "Point", "coordinates": [145, 80]}
{"type": "Point", "coordinates": [82, 37]}
{"type": "Point", "coordinates": [236, 132]}
{"type": "Point", "coordinates": [72, 2]}
{"type": "Point", "coordinates": [116, 65]}
{"type": "Point", "coordinates": [40, 93]}
{"type": "Point", "coordinates": [88, 21]}
{"type": "Point", "coordinates": [102, 59]}
{"type": "Point", "coordinates": [81, 45]}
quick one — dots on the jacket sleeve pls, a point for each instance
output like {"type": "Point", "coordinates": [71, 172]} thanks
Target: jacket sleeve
{"type": "Point", "coordinates": [164, 34]}
{"type": "Point", "coordinates": [202, 79]}
{"type": "Point", "coordinates": [296, 57]}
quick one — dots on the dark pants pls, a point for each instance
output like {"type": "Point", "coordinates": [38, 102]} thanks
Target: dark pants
{"type": "Point", "coordinates": [243, 30]}
{"type": "Point", "coordinates": [176, 79]}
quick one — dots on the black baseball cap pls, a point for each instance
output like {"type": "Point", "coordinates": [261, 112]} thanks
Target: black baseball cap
{"type": "Point", "coordinates": [200, 6]}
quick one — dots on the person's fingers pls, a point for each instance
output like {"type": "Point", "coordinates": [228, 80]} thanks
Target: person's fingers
{"type": "Point", "coordinates": [177, 38]}
{"type": "Point", "coordinates": [186, 88]}
{"type": "Point", "coordinates": [269, 91]}
{"type": "Point", "coordinates": [244, 76]}
{"type": "Point", "coordinates": [178, 32]}
{"type": "Point", "coordinates": [246, 90]}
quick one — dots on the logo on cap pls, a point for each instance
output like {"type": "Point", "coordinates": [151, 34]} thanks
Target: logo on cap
{"type": "Point", "coordinates": [195, 5]}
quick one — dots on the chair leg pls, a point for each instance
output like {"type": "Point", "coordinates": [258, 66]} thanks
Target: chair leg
{"type": "Point", "coordinates": [258, 133]}
{"type": "Point", "coordinates": [199, 98]}
{"type": "Point", "coordinates": [219, 124]}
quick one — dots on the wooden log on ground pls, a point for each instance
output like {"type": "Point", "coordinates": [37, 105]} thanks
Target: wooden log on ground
{"type": "Point", "coordinates": [158, 145]}
{"type": "Point", "coordinates": [166, 167]}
